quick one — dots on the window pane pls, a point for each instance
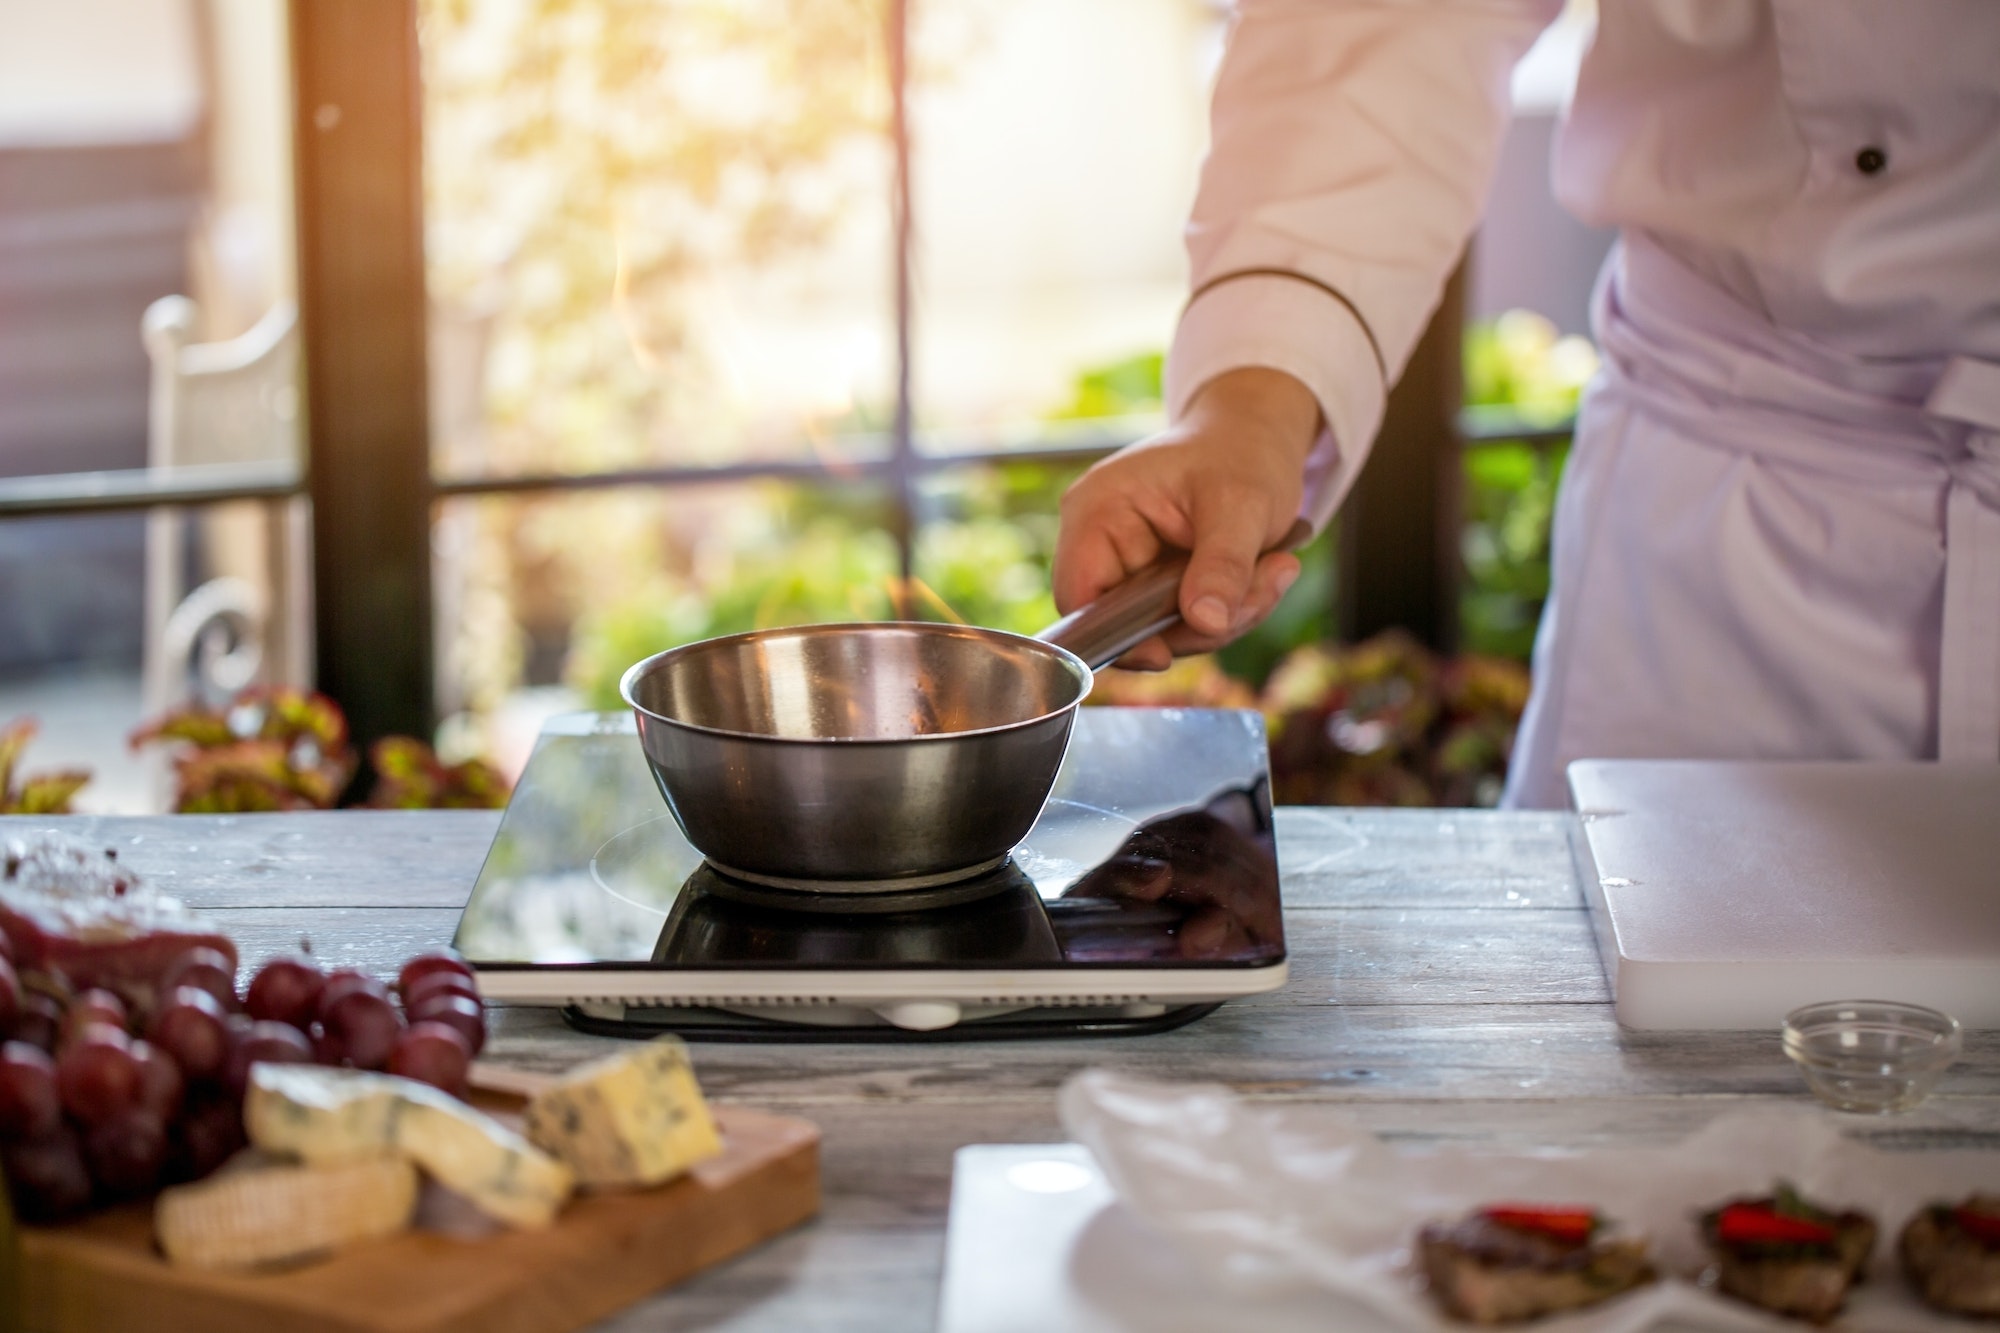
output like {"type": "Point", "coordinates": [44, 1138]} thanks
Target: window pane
{"type": "Point", "coordinates": [146, 319]}
{"type": "Point", "coordinates": [1056, 146]}
{"type": "Point", "coordinates": [984, 543]}
{"type": "Point", "coordinates": [76, 656]}
{"type": "Point", "coordinates": [145, 155]}
{"type": "Point", "coordinates": [658, 233]}
{"type": "Point", "coordinates": [543, 601]}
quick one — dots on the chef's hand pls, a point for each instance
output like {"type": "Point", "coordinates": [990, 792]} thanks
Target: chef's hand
{"type": "Point", "coordinates": [1224, 483]}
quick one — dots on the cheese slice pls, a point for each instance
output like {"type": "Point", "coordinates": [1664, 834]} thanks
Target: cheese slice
{"type": "Point", "coordinates": [272, 1211]}
{"type": "Point", "coordinates": [334, 1115]}
{"type": "Point", "coordinates": [320, 1114]}
{"type": "Point", "coordinates": [632, 1119]}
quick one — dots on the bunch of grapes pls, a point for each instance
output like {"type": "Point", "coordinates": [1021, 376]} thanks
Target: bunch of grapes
{"type": "Point", "coordinates": [106, 1096]}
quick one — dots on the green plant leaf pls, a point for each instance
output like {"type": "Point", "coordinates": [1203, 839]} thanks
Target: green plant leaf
{"type": "Point", "coordinates": [292, 714]}
{"type": "Point", "coordinates": [194, 724]}
{"type": "Point", "coordinates": [14, 739]}
{"type": "Point", "coordinates": [46, 793]}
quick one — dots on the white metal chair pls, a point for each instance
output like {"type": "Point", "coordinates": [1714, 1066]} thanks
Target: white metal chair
{"type": "Point", "coordinates": [235, 401]}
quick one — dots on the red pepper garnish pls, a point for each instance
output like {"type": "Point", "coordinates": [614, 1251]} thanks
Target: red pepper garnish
{"type": "Point", "coordinates": [1760, 1223]}
{"type": "Point", "coordinates": [1981, 1226]}
{"type": "Point", "coordinates": [1565, 1224]}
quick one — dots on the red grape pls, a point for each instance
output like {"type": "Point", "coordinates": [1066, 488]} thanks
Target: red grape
{"type": "Point", "coordinates": [46, 1176]}
{"type": "Point", "coordinates": [10, 994]}
{"type": "Point", "coordinates": [428, 964]}
{"type": "Point", "coordinates": [161, 1086]}
{"type": "Point", "coordinates": [437, 983]}
{"type": "Point", "coordinates": [285, 990]}
{"type": "Point", "coordinates": [363, 1026]}
{"type": "Point", "coordinates": [267, 1042]}
{"type": "Point", "coordinates": [192, 1028]}
{"type": "Point", "coordinates": [93, 1006]}
{"type": "Point", "coordinates": [30, 1106]}
{"type": "Point", "coordinates": [96, 1074]}
{"type": "Point", "coordinates": [126, 1152]}
{"type": "Point", "coordinates": [206, 1137]}
{"type": "Point", "coordinates": [344, 982]}
{"type": "Point", "coordinates": [207, 969]}
{"type": "Point", "coordinates": [6, 946]}
{"type": "Point", "coordinates": [40, 1020]}
{"type": "Point", "coordinates": [455, 1011]}
{"type": "Point", "coordinates": [433, 1053]}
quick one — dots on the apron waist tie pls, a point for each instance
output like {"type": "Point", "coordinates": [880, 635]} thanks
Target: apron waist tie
{"type": "Point", "coordinates": [1969, 657]}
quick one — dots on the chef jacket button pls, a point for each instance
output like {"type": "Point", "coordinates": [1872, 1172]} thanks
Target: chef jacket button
{"type": "Point", "coordinates": [1870, 160]}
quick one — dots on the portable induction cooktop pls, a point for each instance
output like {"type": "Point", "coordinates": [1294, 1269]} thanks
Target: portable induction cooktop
{"type": "Point", "coordinates": [1145, 895]}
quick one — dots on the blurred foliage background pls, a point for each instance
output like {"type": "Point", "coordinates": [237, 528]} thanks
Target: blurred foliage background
{"type": "Point", "coordinates": [595, 169]}
{"type": "Point", "coordinates": [1517, 369]}
{"type": "Point", "coordinates": [1378, 723]}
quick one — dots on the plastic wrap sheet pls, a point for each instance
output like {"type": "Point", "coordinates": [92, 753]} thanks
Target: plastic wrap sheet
{"type": "Point", "coordinates": [1265, 1197]}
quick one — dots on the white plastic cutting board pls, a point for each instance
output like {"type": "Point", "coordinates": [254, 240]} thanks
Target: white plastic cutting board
{"type": "Point", "coordinates": [1726, 894]}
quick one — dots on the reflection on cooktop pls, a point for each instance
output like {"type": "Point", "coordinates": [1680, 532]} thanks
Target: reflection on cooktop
{"type": "Point", "coordinates": [1156, 849]}
{"type": "Point", "coordinates": [716, 923]}
{"type": "Point", "coordinates": [1209, 877]}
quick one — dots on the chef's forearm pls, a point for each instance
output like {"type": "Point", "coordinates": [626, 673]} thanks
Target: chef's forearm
{"type": "Point", "coordinates": [1353, 145]}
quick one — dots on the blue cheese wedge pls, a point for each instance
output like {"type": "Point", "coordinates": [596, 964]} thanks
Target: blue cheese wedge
{"type": "Point", "coordinates": [323, 1116]}
{"type": "Point", "coordinates": [634, 1119]}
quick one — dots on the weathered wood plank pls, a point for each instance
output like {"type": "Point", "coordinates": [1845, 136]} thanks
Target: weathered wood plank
{"type": "Point", "coordinates": [394, 858]}
{"type": "Point", "coordinates": [355, 858]}
{"type": "Point", "coordinates": [1463, 1009]}
{"type": "Point", "coordinates": [1368, 1054]}
{"type": "Point", "coordinates": [1425, 858]}
{"type": "Point", "coordinates": [374, 939]}
{"type": "Point", "coordinates": [1418, 955]}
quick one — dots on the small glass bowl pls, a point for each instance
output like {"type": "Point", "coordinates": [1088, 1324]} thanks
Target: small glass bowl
{"type": "Point", "coordinates": [1875, 1057]}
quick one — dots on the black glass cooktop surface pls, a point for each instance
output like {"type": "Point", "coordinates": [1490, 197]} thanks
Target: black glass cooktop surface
{"type": "Point", "coordinates": [1155, 851]}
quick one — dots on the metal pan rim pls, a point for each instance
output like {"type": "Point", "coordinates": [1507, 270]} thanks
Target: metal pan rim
{"type": "Point", "coordinates": [1080, 670]}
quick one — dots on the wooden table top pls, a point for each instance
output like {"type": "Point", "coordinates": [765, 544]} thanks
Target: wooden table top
{"type": "Point", "coordinates": [1444, 986]}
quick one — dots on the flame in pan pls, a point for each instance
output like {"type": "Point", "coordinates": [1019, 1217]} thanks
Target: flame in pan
{"type": "Point", "coordinates": [913, 599]}
{"type": "Point", "coordinates": [621, 298]}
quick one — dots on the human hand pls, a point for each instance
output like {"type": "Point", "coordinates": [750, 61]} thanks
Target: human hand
{"type": "Point", "coordinates": [1223, 483]}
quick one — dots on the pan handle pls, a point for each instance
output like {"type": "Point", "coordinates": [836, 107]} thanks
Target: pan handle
{"type": "Point", "coordinates": [1146, 604]}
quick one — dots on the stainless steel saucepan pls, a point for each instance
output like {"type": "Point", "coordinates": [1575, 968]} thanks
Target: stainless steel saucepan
{"type": "Point", "coordinates": [876, 757]}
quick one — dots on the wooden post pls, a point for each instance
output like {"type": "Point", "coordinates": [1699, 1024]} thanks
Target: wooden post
{"type": "Point", "coordinates": [359, 167]}
{"type": "Point", "coordinates": [1399, 528]}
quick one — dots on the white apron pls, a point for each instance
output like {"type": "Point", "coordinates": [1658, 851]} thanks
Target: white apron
{"type": "Point", "coordinates": [1765, 548]}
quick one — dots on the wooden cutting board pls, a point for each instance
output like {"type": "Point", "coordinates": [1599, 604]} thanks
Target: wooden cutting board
{"type": "Point", "coordinates": [605, 1252]}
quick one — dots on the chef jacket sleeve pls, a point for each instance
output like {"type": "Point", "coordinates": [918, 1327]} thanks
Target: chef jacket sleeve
{"type": "Point", "coordinates": [1352, 145]}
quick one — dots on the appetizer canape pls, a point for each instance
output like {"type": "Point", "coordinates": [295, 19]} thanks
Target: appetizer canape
{"type": "Point", "coordinates": [1509, 1262]}
{"type": "Point", "coordinates": [1951, 1254]}
{"type": "Point", "coordinates": [1787, 1255]}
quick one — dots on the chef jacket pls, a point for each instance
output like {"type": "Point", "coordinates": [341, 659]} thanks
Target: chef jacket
{"type": "Point", "coordinates": [1807, 291]}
